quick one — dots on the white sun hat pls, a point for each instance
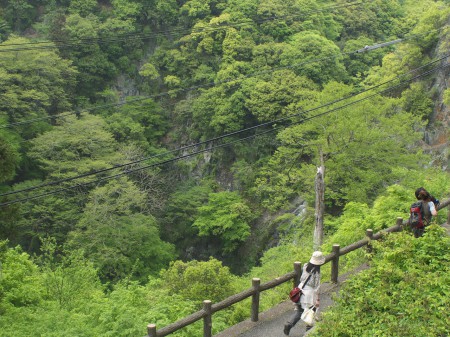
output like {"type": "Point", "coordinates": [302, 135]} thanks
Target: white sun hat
{"type": "Point", "coordinates": [317, 258]}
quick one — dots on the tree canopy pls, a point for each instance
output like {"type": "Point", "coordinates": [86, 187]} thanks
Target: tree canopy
{"type": "Point", "coordinates": [149, 144]}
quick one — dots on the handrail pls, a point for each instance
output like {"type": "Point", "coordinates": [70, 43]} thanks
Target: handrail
{"type": "Point", "coordinates": [209, 308]}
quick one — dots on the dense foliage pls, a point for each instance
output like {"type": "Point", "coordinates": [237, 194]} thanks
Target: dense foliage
{"type": "Point", "coordinates": [405, 291]}
{"type": "Point", "coordinates": [160, 148]}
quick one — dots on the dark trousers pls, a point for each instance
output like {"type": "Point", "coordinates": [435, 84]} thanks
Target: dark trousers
{"type": "Point", "coordinates": [418, 231]}
{"type": "Point", "coordinates": [295, 317]}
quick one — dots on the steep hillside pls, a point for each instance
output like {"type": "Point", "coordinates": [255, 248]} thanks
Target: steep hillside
{"type": "Point", "coordinates": [200, 123]}
{"type": "Point", "coordinates": [437, 135]}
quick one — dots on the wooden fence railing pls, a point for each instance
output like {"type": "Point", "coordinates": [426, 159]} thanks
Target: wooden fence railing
{"type": "Point", "coordinates": [209, 308]}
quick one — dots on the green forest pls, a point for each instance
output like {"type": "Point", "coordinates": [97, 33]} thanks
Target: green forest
{"type": "Point", "coordinates": [157, 153]}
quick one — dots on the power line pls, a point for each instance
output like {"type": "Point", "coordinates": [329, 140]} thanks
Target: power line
{"type": "Point", "coordinates": [217, 138]}
{"type": "Point", "coordinates": [215, 147]}
{"type": "Point", "coordinates": [142, 36]}
{"type": "Point", "coordinates": [210, 84]}
{"type": "Point", "coordinates": [223, 136]}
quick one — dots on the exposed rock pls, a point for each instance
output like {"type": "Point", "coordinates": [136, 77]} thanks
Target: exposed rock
{"type": "Point", "coordinates": [437, 134]}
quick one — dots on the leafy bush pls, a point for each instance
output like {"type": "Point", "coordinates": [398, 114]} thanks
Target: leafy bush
{"type": "Point", "coordinates": [404, 293]}
{"type": "Point", "coordinates": [198, 281]}
{"type": "Point", "coordinates": [225, 216]}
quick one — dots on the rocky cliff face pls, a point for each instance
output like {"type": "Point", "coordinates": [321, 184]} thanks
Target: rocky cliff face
{"type": "Point", "coordinates": [437, 134]}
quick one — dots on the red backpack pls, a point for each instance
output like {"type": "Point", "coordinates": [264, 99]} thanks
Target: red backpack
{"type": "Point", "coordinates": [416, 215]}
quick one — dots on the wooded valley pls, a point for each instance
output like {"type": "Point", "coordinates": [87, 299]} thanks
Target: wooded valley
{"type": "Point", "coordinates": [157, 153]}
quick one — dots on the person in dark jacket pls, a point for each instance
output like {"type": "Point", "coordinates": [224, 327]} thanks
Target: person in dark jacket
{"type": "Point", "coordinates": [429, 204]}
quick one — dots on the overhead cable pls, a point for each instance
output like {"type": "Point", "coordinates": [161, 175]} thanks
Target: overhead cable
{"type": "Point", "coordinates": [52, 44]}
{"type": "Point", "coordinates": [210, 84]}
{"type": "Point", "coordinates": [217, 138]}
{"type": "Point", "coordinates": [225, 135]}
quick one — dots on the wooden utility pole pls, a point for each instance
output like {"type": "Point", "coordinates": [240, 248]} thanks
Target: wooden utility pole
{"type": "Point", "coordinates": [320, 204]}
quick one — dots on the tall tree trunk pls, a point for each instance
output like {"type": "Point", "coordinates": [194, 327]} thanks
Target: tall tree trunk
{"type": "Point", "coordinates": [320, 204]}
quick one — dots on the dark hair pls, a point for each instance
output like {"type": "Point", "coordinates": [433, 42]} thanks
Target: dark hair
{"type": "Point", "coordinates": [418, 192]}
{"type": "Point", "coordinates": [422, 194]}
{"type": "Point", "coordinates": [310, 267]}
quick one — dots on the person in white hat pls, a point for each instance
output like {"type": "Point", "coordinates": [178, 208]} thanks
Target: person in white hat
{"type": "Point", "coordinates": [310, 290]}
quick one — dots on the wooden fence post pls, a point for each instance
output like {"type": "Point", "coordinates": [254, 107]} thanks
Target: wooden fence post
{"type": "Point", "coordinates": [399, 223]}
{"type": "Point", "coordinates": [298, 273]}
{"type": "Point", "coordinates": [369, 234]}
{"type": "Point", "coordinates": [335, 264]}
{"type": "Point", "coordinates": [448, 217]}
{"type": "Point", "coordinates": [255, 292]}
{"type": "Point", "coordinates": [207, 320]}
{"type": "Point", "coordinates": [255, 299]}
{"type": "Point", "coordinates": [151, 330]}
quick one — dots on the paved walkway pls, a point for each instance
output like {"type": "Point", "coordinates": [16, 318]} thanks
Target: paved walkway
{"type": "Point", "coordinates": [271, 322]}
